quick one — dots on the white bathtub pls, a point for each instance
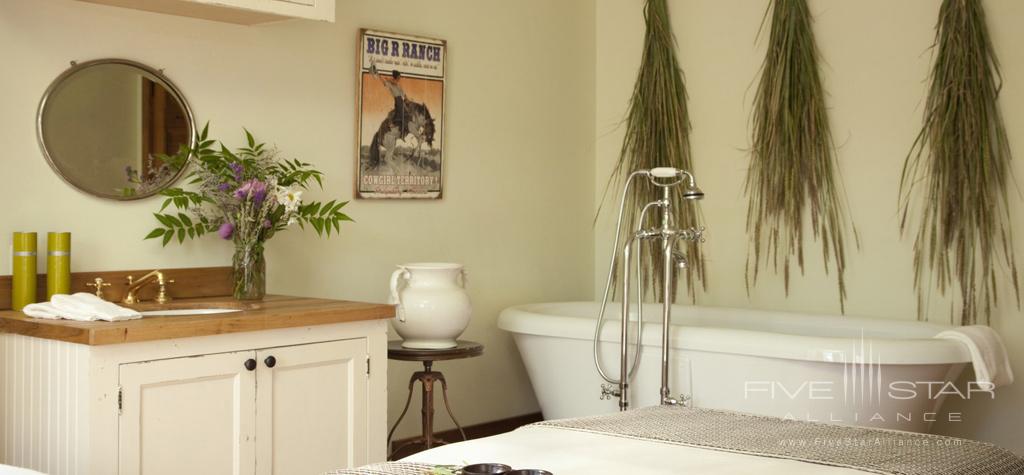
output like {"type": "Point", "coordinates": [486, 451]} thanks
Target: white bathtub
{"type": "Point", "coordinates": [845, 370]}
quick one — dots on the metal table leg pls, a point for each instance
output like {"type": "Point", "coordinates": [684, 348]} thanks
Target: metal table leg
{"type": "Point", "coordinates": [426, 378]}
{"type": "Point", "coordinates": [412, 382]}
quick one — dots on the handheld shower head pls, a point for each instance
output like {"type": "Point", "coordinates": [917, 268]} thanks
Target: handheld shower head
{"type": "Point", "coordinates": [692, 192]}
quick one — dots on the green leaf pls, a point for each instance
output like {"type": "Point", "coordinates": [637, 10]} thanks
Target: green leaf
{"type": "Point", "coordinates": [155, 233]}
{"type": "Point", "coordinates": [185, 219]}
{"type": "Point", "coordinates": [327, 208]}
{"type": "Point", "coordinates": [181, 235]}
{"type": "Point", "coordinates": [163, 220]}
{"type": "Point", "coordinates": [167, 238]}
{"type": "Point", "coordinates": [167, 203]}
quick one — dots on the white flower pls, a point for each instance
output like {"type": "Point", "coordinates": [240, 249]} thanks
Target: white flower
{"type": "Point", "coordinates": [290, 198]}
{"type": "Point", "coordinates": [292, 220]}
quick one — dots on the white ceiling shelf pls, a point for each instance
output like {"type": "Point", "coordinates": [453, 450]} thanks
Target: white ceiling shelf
{"type": "Point", "coordinates": [242, 12]}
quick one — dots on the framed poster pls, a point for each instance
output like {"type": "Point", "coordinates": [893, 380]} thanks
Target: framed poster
{"type": "Point", "coordinates": [400, 116]}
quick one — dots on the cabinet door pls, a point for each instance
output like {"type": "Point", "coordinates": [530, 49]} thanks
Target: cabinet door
{"type": "Point", "coordinates": [311, 408]}
{"type": "Point", "coordinates": [188, 415]}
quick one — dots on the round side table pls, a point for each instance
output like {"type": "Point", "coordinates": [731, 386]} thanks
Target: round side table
{"type": "Point", "coordinates": [427, 377]}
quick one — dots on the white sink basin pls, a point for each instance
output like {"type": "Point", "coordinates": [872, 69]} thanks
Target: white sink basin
{"type": "Point", "coordinates": [188, 311]}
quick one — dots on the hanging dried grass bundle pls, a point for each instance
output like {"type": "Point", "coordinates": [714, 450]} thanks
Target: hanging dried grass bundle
{"type": "Point", "coordinates": [658, 135]}
{"type": "Point", "coordinates": [793, 172]}
{"type": "Point", "coordinates": [960, 165]}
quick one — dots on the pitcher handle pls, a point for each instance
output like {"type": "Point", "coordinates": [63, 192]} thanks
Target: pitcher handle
{"type": "Point", "coordinates": [463, 273]}
{"type": "Point", "coordinates": [400, 273]}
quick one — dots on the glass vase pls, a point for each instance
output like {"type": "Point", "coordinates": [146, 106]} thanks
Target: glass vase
{"type": "Point", "coordinates": [250, 272]}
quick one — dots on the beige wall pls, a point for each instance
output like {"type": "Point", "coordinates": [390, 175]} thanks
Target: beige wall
{"type": "Point", "coordinates": [521, 178]}
{"type": "Point", "coordinates": [519, 131]}
{"type": "Point", "coordinates": [876, 59]}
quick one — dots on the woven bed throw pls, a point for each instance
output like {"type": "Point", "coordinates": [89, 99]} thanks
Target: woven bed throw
{"type": "Point", "coordinates": [871, 450]}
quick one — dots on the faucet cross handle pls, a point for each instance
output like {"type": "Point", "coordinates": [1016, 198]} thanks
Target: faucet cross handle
{"type": "Point", "coordinates": [161, 294]}
{"type": "Point", "coordinates": [99, 284]}
{"type": "Point", "coordinates": [697, 234]}
{"type": "Point", "coordinates": [608, 392]}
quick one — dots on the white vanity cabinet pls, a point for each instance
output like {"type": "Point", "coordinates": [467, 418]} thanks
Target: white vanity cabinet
{"type": "Point", "coordinates": [187, 415]}
{"type": "Point", "coordinates": [245, 12]}
{"type": "Point", "coordinates": [299, 430]}
{"type": "Point", "coordinates": [287, 401]}
{"type": "Point", "coordinates": [211, 414]}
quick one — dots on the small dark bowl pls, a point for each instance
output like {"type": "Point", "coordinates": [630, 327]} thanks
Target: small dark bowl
{"type": "Point", "coordinates": [486, 469]}
{"type": "Point", "coordinates": [529, 471]}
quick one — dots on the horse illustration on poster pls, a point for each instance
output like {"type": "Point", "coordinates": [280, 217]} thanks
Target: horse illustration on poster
{"type": "Point", "coordinates": [401, 110]}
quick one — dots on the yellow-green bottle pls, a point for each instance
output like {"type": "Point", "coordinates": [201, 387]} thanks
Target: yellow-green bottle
{"type": "Point", "coordinates": [24, 278]}
{"type": "Point", "coordinates": [58, 264]}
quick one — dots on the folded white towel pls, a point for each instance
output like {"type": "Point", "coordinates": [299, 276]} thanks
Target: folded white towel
{"type": "Point", "coordinates": [42, 310]}
{"type": "Point", "coordinates": [81, 306]}
{"type": "Point", "coordinates": [50, 310]}
{"type": "Point", "coordinates": [105, 310]}
{"type": "Point", "coordinates": [988, 355]}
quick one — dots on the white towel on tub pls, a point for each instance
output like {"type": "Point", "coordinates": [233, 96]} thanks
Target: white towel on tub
{"type": "Point", "coordinates": [988, 355]}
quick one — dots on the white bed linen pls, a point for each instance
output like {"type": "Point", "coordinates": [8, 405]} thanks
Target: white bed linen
{"type": "Point", "coordinates": [567, 452]}
{"type": "Point", "coordinates": [9, 470]}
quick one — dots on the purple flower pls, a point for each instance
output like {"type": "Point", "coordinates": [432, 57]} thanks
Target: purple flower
{"type": "Point", "coordinates": [266, 224]}
{"type": "Point", "coordinates": [226, 230]}
{"type": "Point", "coordinates": [243, 191]}
{"type": "Point", "coordinates": [237, 169]}
{"type": "Point", "coordinates": [259, 192]}
{"type": "Point", "coordinates": [255, 189]}
{"type": "Point", "coordinates": [224, 187]}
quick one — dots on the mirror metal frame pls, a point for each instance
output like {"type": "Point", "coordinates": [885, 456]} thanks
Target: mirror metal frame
{"type": "Point", "coordinates": [159, 75]}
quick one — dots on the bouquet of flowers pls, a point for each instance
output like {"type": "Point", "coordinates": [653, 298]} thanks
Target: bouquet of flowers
{"type": "Point", "coordinates": [247, 196]}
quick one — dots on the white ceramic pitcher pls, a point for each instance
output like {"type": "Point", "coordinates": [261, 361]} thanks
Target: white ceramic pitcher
{"type": "Point", "coordinates": [432, 307]}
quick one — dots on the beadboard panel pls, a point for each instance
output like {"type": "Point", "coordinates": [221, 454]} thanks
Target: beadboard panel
{"type": "Point", "coordinates": [43, 399]}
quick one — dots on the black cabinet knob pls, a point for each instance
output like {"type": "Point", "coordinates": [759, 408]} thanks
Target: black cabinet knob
{"type": "Point", "coordinates": [270, 361]}
{"type": "Point", "coordinates": [250, 364]}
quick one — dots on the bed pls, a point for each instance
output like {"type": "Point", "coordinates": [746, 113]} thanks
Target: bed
{"type": "Point", "coordinates": [9, 470]}
{"type": "Point", "coordinates": [672, 440]}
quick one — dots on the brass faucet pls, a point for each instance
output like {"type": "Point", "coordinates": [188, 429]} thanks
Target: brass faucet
{"type": "Point", "coordinates": [99, 284]}
{"type": "Point", "coordinates": [135, 285]}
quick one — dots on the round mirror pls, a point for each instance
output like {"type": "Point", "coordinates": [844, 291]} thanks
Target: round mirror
{"type": "Point", "coordinates": [115, 129]}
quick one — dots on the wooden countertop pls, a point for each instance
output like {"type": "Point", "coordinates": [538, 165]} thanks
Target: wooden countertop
{"type": "Point", "coordinates": [275, 311]}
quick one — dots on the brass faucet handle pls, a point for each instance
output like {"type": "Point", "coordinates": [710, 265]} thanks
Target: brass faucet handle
{"type": "Point", "coordinates": [161, 294]}
{"type": "Point", "coordinates": [99, 284]}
